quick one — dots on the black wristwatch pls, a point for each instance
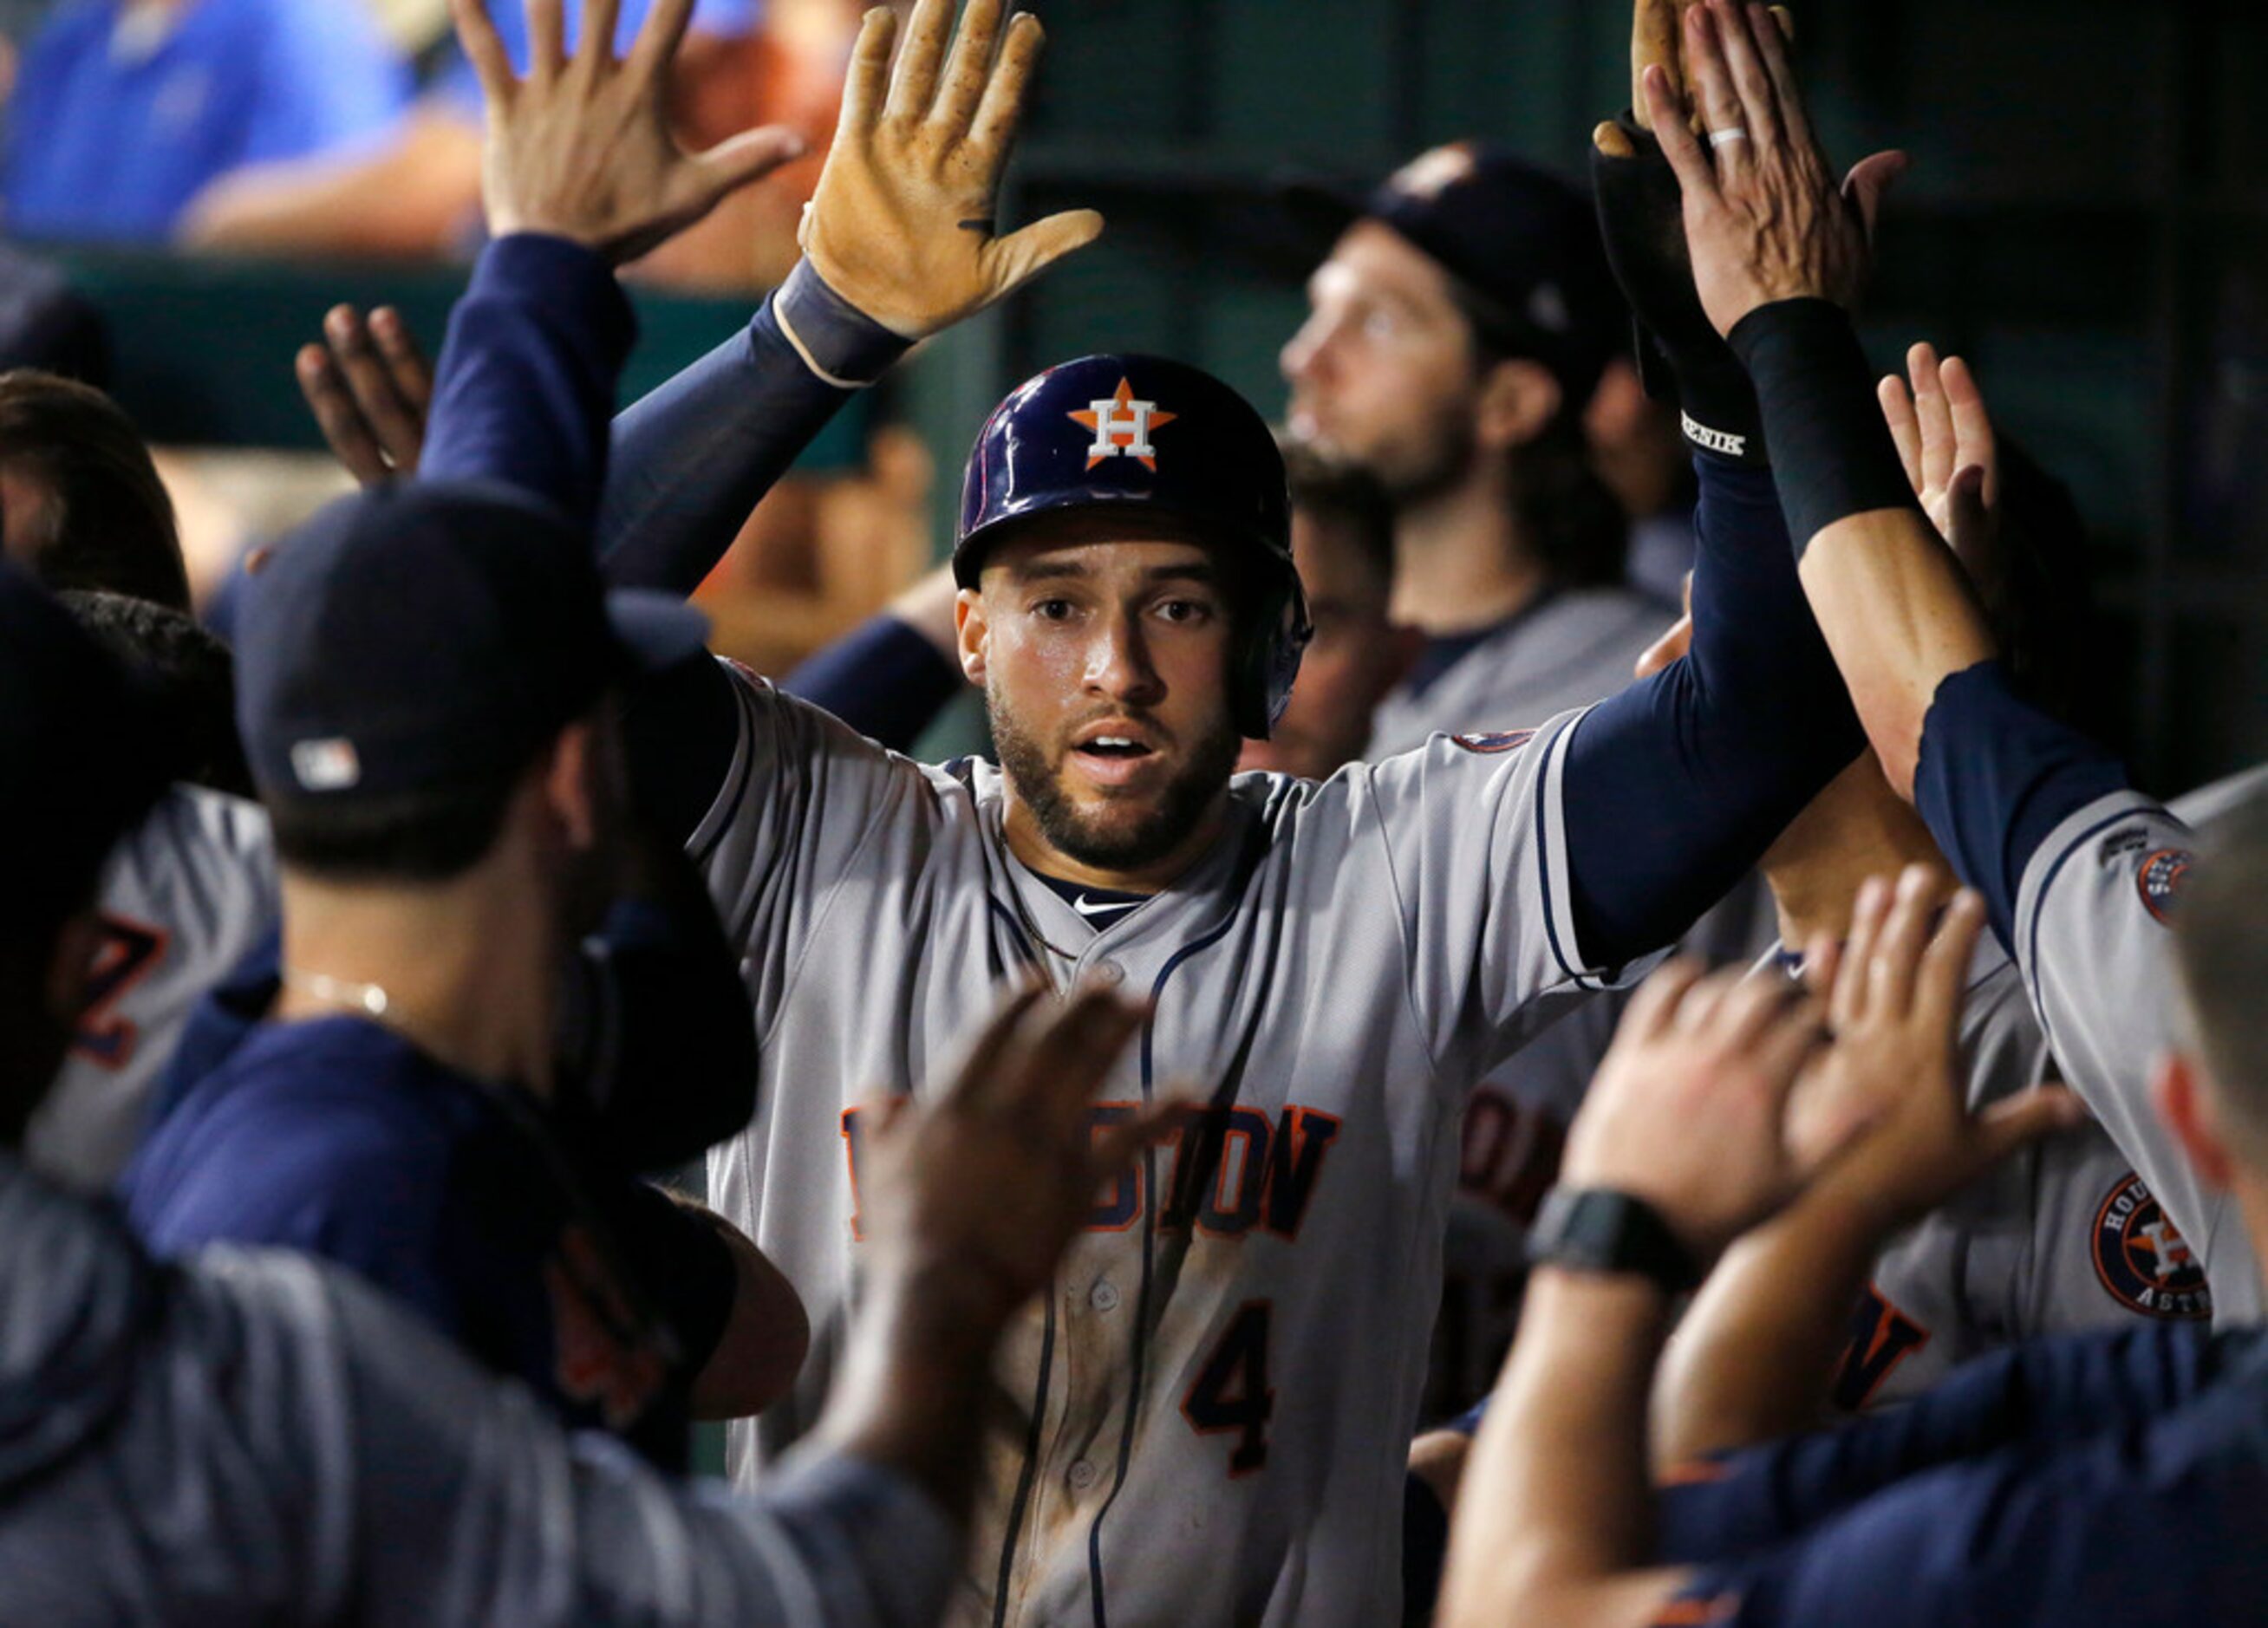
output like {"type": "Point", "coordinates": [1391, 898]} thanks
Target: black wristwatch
{"type": "Point", "coordinates": [1597, 1229]}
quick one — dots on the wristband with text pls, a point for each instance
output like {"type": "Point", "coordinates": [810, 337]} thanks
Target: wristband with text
{"type": "Point", "coordinates": [1832, 454]}
{"type": "Point", "coordinates": [1596, 1229]}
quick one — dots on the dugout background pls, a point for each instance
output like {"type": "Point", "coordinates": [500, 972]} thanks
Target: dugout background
{"type": "Point", "coordinates": [2086, 221]}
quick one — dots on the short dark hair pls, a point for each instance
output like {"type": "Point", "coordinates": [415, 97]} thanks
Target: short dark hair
{"type": "Point", "coordinates": [187, 671]}
{"type": "Point", "coordinates": [427, 836]}
{"type": "Point", "coordinates": [107, 523]}
{"type": "Point", "coordinates": [1346, 499]}
{"type": "Point", "coordinates": [2220, 954]}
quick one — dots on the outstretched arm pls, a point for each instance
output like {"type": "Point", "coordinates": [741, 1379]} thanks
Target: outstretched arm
{"type": "Point", "coordinates": [1991, 774]}
{"type": "Point", "coordinates": [1675, 787]}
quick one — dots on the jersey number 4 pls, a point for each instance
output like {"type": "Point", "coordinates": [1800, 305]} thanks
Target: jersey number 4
{"type": "Point", "coordinates": [1231, 1394]}
{"type": "Point", "coordinates": [129, 950]}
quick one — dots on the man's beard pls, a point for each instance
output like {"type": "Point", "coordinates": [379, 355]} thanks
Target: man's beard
{"type": "Point", "coordinates": [1441, 462]}
{"type": "Point", "coordinates": [1164, 826]}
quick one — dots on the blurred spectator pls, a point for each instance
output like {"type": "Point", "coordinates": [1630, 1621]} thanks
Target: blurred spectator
{"type": "Point", "coordinates": [124, 110]}
{"type": "Point", "coordinates": [744, 62]}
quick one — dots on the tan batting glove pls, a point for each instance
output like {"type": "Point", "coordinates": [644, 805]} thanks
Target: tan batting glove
{"type": "Point", "coordinates": [1655, 43]}
{"type": "Point", "coordinates": [902, 225]}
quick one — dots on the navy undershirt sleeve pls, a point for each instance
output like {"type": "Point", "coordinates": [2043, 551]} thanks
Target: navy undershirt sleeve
{"type": "Point", "coordinates": [882, 678]}
{"type": "Point", "coordinates": [2043, 1391]}
{"type": "Point", "coordinates": [1996, 775]}
{"type": "Point", "coordinates": [527, 373]}
{"type": "Point", "coordinates": [1675, 787]}
{"type": "Point", "coordinates": [692, 458]}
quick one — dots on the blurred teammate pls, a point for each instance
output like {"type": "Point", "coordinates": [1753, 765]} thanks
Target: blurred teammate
{"type": "Point", "coordinates": [1342, 546]}
{"type": "Point", "coordinates": [82, 503]}
{"type": "Point", "coordinates": [2105, 1478]}
{"type": "Point", "coordinates": [247, 1438]}
{"type": "Point", "coordinates": [1454, 337]}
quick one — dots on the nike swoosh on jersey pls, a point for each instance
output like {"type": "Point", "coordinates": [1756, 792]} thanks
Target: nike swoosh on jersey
{"type": "Point", "coordinates": [1104, 908]}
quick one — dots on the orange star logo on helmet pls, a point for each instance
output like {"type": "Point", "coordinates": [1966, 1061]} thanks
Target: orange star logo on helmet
{"type": "Point", "coordinates": [1122, 427]}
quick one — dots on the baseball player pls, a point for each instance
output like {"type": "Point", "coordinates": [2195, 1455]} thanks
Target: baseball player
{"type": "Point", "coordinates": [249, 1438]}
{"type": "Point", "coordinates": [2081, 872]}
{"type": "Point", "coordinates": [187, 894]}
{"type": "Point", "coordinates": [2097, 1479]}
{"type": "Point", "coordinates": [1330, 966]}
{"type": "Point", "coordinates": [1454, 335]}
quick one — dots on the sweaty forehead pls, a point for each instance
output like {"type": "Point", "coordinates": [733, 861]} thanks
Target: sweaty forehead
{"type": "Point", "coordinates": [1101, 542]}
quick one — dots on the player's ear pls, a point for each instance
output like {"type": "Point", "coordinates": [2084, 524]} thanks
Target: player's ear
{"type": "Point", "coordinates": [1518, 399]}
{"type": "Point", "coordinates": [969, 627]}
{"type": "Point", "coordinates": [2186, 1103]}
{"type": "Point", "coordinates": [570, 788]}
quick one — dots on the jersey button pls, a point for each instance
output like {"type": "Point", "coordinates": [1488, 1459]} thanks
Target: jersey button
{"type": "Point", "coordinates": [1108, 972]}
{"type": "Point", "coordinates": [1083, 1476]}
{"type": "Point", "coordinates": [1104, 1296]}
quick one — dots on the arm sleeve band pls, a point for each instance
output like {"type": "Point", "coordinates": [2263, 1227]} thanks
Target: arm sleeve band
{"type": "Point", "coordinates": [882, 678]}
{"type": "Point", "coordinates": [1829, 447]}
{"type": "Point", "coordinates": [1676, 786]}
{"type": "Point", "coordinates": [1995, 776]}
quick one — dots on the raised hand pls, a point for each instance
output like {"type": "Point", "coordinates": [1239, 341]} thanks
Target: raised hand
{"type": "Point", "coordinates": [1688, 1110]}
{"type": "Point", "coordinates": [582, 147]}
{"type": "Point", "coordinates": [369, 386]}
{"type": "Point", "coordinates": [902, 225]}
{"type": "Point", "coordinates": [1945, 440]}
{"type": "Point", "coordinates": [1893, 1075]}
{"type": "Point", "coordinates": [976, 1191]}
{"type": "Point", "coordinates": [1764, 218]}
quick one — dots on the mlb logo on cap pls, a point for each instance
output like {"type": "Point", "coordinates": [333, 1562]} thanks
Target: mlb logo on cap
{"type": "Point", "coordinates": [330, 765]}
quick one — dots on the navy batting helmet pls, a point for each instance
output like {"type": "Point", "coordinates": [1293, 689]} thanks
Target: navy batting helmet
{"type": "Point", "coordinates": [1158, 435]}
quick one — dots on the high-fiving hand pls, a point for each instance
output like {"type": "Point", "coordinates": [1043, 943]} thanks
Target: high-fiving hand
{"type": "Point", "coordinates": [902, 225]}
{"type": "Point", "coordinates": [976, 1190]}
{"type": "Point", "coordinates": [369, 386]}
{"type": "Point", "coordinates": [582, 147]}
{"type": "Point", "coordinates": [1687, 1111]}
{"type": "Point", "coordinates": [1894, 1071]}
{"type": "Point", "coordinates": [1764, 218]}
{"type": "Point", "coordinates": [1945, 440]}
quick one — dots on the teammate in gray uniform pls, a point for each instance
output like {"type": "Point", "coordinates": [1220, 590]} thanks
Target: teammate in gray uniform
{"type": "Point", "coordinates": [2081, 871]}
{"type": "Point", "coordinates": [1454, 336]}
{"type": "Point", "coordinates": [187, 894]}
{"type": "Point", "coordinates": [250, 1438]}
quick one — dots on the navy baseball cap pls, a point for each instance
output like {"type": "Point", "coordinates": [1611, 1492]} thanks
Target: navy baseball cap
{"type": "Point", "coordinates": [82, 752]}
{"type": "Point", "coordinates": [415, 635]}
{"type": "Point", "coordinates": [1522, 244]}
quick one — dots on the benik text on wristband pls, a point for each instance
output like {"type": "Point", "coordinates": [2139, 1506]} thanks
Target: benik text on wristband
{"type": "Point", "coordinates": [1831, 453]}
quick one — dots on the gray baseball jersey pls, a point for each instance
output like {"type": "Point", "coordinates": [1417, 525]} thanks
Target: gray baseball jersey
{"type": "Point", "coordinates": [1575, 646]}
{"type": "Point", "coordinates": [2061, 1239]}
{"type": "Point", "coordinates": [184, 896]}
{"type": "Point", "coordinates": [253, 1438]}
{"type": "Point", "coordinates": [1572, 649]}
{"type": "Point", "coordinates": [1331, 977]}
{"type": "Point", "coordinates": [2092, 939]}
